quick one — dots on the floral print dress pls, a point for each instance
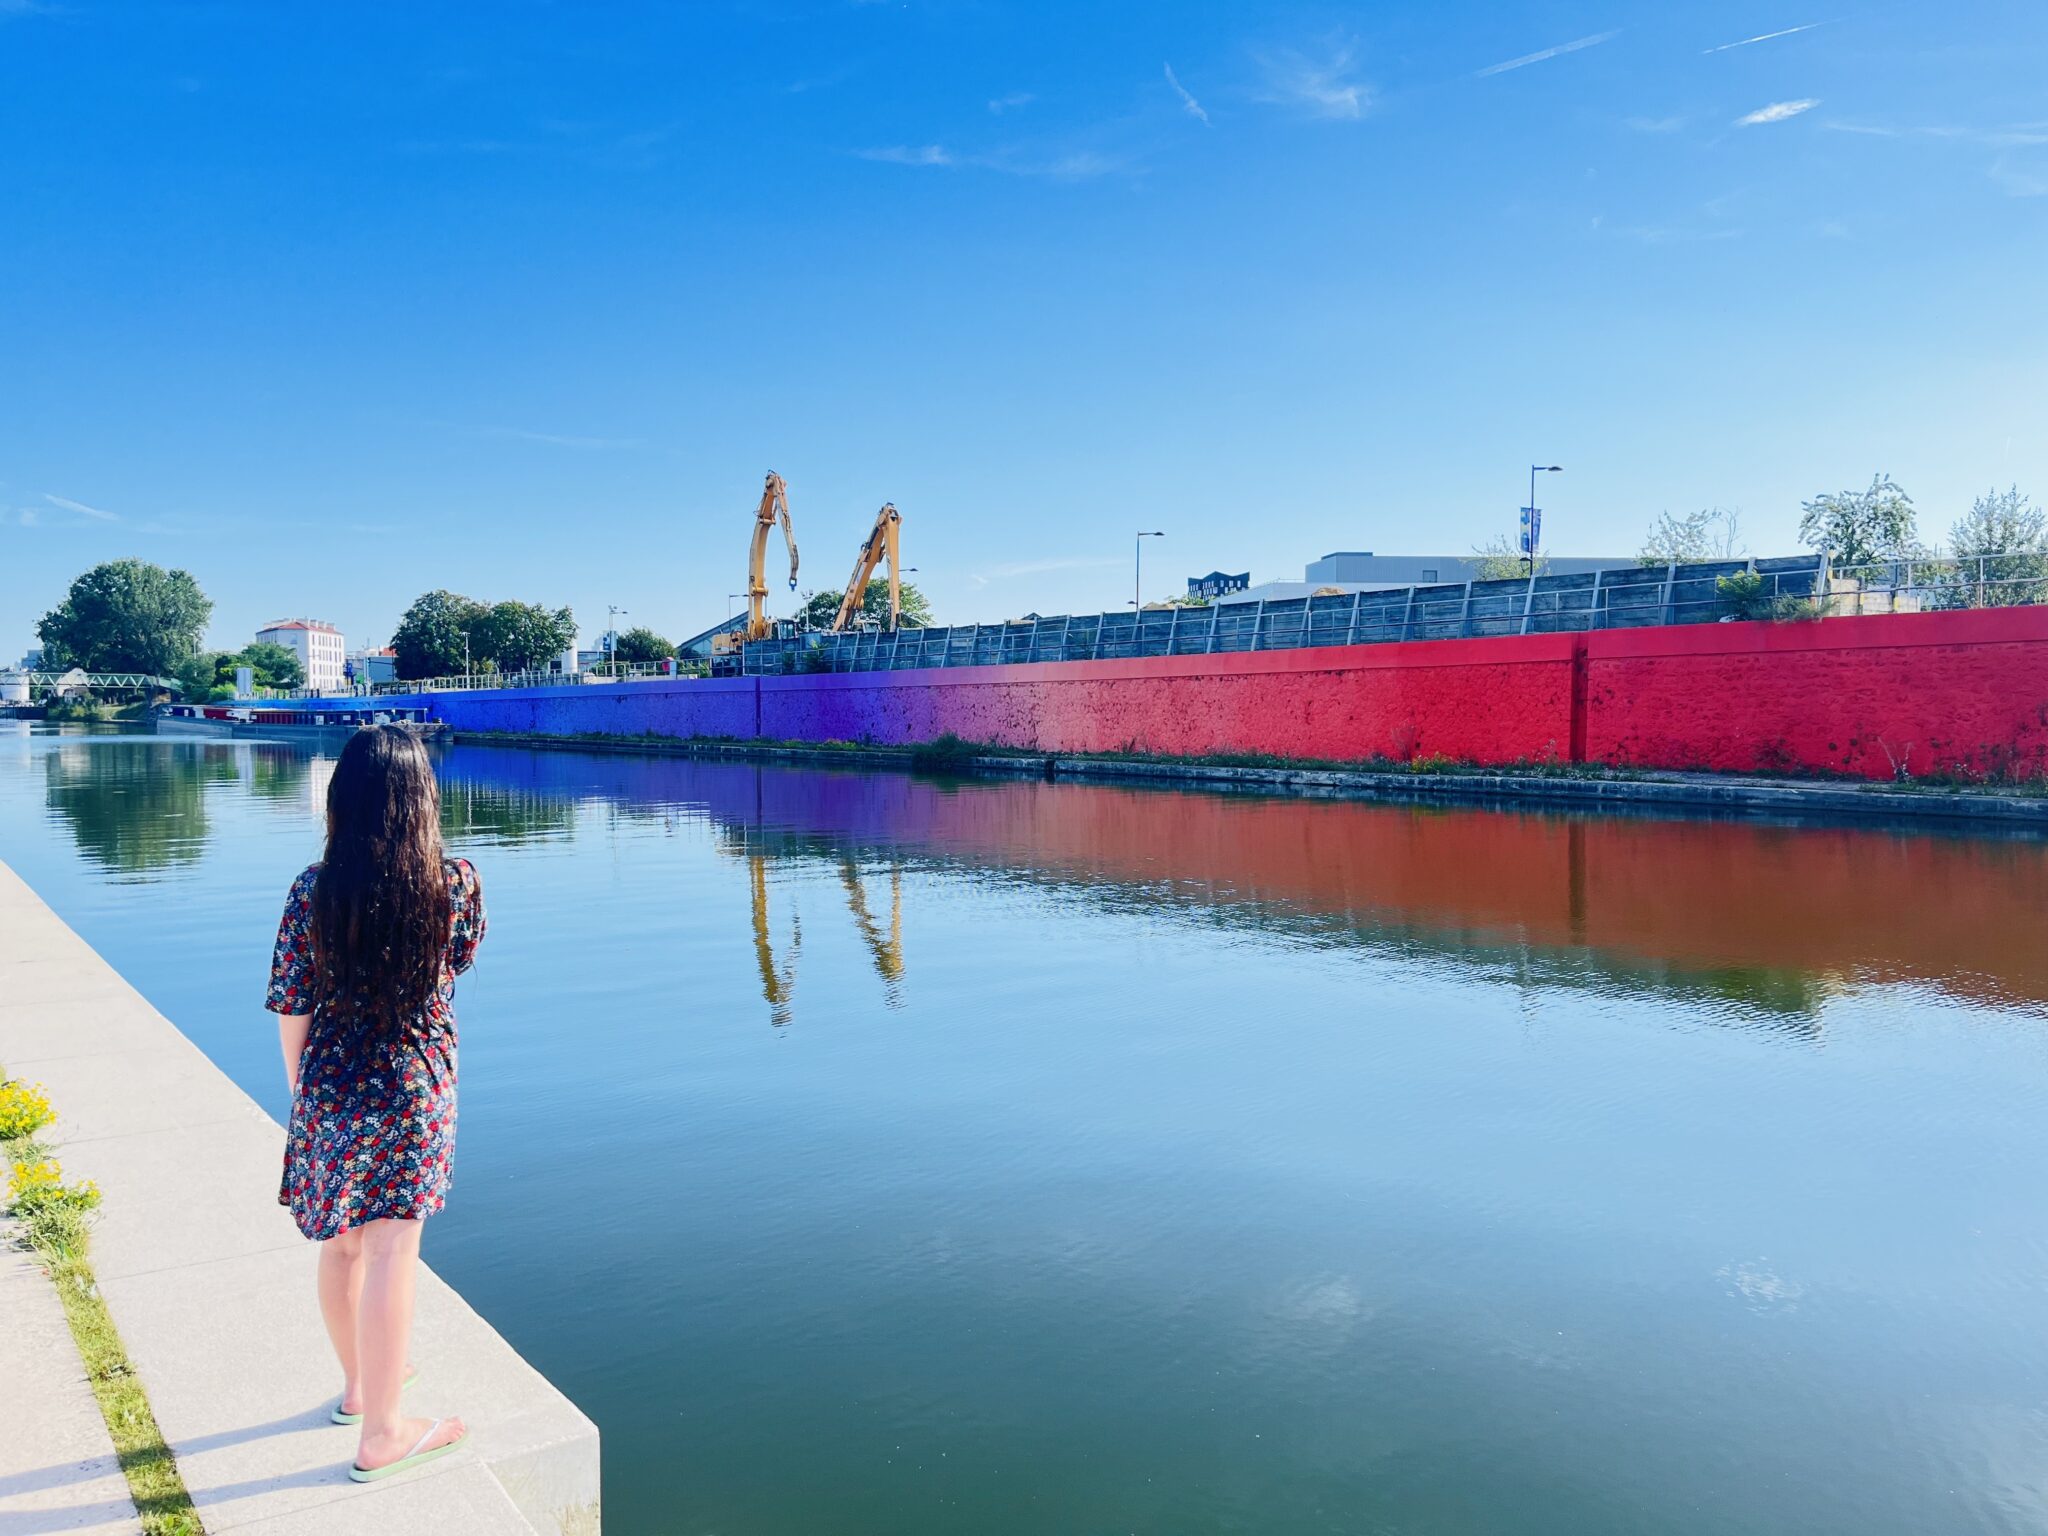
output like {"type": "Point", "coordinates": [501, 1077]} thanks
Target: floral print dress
{"type": "Point", "coordinates": [372, 1132]}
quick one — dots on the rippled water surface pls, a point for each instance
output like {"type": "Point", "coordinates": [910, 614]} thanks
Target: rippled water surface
{"type": "Point", "coordinates": [879, 1155]}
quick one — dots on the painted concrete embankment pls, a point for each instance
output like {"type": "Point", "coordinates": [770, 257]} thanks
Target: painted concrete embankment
{"type": "Point", "coordinates": [211, 1285]}
{"type": "Point", "coordinates": [1962, 692]}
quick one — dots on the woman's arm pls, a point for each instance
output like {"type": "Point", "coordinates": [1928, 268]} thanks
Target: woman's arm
{"type": "Point", "coordinates": [291, 1039]}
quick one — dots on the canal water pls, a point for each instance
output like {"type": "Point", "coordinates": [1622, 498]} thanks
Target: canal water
{"type": "Point", "coordinates": [888, 1155]}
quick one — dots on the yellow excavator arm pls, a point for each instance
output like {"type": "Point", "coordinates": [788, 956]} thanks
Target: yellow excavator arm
{"type": "Point", "coordinates": [883, 543]}
{"type": "Point", "coordinates": [774, 508]}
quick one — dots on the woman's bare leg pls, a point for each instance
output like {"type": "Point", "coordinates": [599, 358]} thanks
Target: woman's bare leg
{"type": "Point", "coordinates": [341, 1283]}
{"type": "Point", "coordinates": [391, 1251]}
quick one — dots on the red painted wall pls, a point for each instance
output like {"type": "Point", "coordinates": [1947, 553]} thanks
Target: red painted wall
{"type": "Point", "coordinates": [1487, 701]}
{"type": "Point", "coordinates": [1930, 691]}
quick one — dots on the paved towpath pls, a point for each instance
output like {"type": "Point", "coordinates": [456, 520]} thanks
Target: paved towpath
{"type": "Point", "coordinates": [211, 1287]}
{"type": "Point", "coordinates": [57, 1466]}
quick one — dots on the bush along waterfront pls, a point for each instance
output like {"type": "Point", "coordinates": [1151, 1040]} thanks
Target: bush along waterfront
{"type": "Point", "coordinates": [54, 1223]}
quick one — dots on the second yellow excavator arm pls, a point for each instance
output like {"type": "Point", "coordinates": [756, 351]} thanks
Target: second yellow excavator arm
{"type": "Point", "coordinates": [883, 543]}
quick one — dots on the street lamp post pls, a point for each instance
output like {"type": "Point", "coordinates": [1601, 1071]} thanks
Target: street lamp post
{"type": "Point", "coordinates": [1138, 570]}
{"type": "Point", "coordinates": [1535, 527]}
{"type": "Point", "coordinates": [465, 657]}
{"type": "Point", "coordinates": [611, 637]}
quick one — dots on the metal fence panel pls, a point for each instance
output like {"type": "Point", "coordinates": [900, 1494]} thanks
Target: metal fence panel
{"type": "Point", "coordinates": [1622, 598]}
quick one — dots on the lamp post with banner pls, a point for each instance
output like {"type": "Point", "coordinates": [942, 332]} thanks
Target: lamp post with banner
{"type": "Point", "coordinates": [1532, 515]}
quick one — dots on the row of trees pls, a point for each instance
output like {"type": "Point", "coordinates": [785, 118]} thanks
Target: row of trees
{"type": "Point", "coordinates": [1873, 526]}
{"type": "Point", "coordinates": [210, 674]}
{"type": "Point", "coordinates": [1995, 554]}
{"type": "Point", "coordinates": [823, 607]}
{"type": "Point", "coordinates": [444, 631]}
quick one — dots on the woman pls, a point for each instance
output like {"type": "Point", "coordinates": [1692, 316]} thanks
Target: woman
{"type": "Point", "coordinates": [363, 981]}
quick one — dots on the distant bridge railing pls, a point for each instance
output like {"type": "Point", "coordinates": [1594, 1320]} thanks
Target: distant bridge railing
{"type": "Point", "coordinates": [1624, 598]}
{"type": "Point", "coordinates": [45, 680]}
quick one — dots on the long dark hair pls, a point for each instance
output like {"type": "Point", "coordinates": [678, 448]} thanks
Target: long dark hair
{"type": "Point", "coordinates": [381, 907]}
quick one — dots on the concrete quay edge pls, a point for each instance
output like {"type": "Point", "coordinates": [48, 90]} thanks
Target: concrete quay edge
{"type": "Point", "coordinates": [211, 1285]}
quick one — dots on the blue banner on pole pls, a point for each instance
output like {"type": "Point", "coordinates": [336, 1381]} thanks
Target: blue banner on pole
{"type": "Point", "coordinates": [1532, 529]}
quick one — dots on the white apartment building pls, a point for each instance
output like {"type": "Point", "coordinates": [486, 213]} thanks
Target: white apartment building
{"type": "Point", "coordinates": [318, 647]}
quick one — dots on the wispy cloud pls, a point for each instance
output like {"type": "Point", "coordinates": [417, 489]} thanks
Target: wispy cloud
{"type": "Point", "coordinates": [2020, 180]}
{"type": "Point", "coordinates": [1011, 102]}
{"type": "Point", "coordinates": [81, 508]}
{"type": "Point", "coordinates": [1763, 37]}
{"type": "Point", "coordinates": [1322, 87]}
{"type": "Point", "coordinates": [1549, 53]}
{"type": "Point", "coordinates": [905, 154]}
{"type": "Point", "coordinates": [1777, 112]}
{"type": "Point", "coordinates": [1077, 165]}
{"type": "Point", "coordinates": [1042, 567]}
{"type": "Point", "coordinates": [1668, 234]}
{"type": "Point", "coordinates": [27, 517]}
{"type": "Point", "coordinates": [1656, 124]}
{"type": "Point", "coordinates": [834, 77]}
{"type": "Point", "coordinates": [1192, 107]}
{"type": "Point", "coordinates": [561, 439]}
{"type": "Point", "coordinates": [457, 147]}
{"type": "Point", "coordinates": [1082, 165]}
{"type": "Point", "coordinates": [2014, 136]}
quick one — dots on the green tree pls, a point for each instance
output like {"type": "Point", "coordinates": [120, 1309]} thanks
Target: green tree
{"type": "Point", "coordinates": [1687, 537]}
{"type": "Point", "coordinates": [196, 675]}
{"type": "Point", "coordinates": [641, 647]}
{"type": "Point", "coordinates": [2001, 552]}
{"type": "Point", "coordinates": [274, 666]}
{"type": "Point", "coordinates": [126, 616]}
{"type": "Point", "coordinates": [1500, 559]}
{"type": "Point", "coordinates": [522, 637]}
{"type": "Point", "coordinates": [428, 640]}
{"type": "Point", "coordinates": [1861, 527]}
{"type": "Point", "coordinates": [874, 604]}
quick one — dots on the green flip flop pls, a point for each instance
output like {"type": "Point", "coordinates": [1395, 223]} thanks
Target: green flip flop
{"type": "Point", "coordinates": [417, 1457]}
{"type": "Point", "coordinates": [356, 1418]}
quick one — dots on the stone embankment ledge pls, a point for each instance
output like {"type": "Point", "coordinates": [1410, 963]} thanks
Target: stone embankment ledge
{"type": "Point", "coordinates": [1614, 790]}
{"type": "Point", "coordinates": [211, 1287]}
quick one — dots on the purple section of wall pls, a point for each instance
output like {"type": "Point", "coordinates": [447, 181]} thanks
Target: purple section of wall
{"type": "Point", "coordinates": [664, 707]}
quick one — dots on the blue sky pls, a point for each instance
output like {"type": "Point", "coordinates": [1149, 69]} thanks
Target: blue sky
{"type": "Point", "coordinates": [334, 305]}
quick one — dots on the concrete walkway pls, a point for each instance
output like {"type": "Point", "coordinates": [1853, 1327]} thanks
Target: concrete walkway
{"type": "Point", "coordinates": [211, 1287]}
{"type": "Point", "coordinates": [57, 1467]}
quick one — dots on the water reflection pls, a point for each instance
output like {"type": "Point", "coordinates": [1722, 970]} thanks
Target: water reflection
{"type": "Point", "coordinates": [1233, 1164]}
{"type": "Point", "coordinates": [779, 977]}
{"type": "Point", "coordinates": [503, 815]}
{"type": "Point", "coordinates": [135, 812]}
{"type": "Point", "coordinates": [138, 807]}
{"type": "Point", "coordinates": [1768, 921]}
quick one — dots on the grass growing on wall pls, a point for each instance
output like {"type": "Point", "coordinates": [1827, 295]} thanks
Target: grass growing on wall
{"type": "Point", "coordinates": [55, 1221]}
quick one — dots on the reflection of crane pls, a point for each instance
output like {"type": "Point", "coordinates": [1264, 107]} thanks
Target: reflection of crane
{"type": "Point", "coordinates": [778, 983]}
{"type": "Point", "coordinates": [776, 987]}
{"type": "Point", "coordinates": [882, 544]}
{"type": "Point", "coordinates": [888, 952]}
